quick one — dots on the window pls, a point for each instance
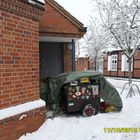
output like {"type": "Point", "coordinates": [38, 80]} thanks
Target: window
{"type": "Point", "coordinates": [81, 62]}
{"type": "Point", "coordinates": [112, 63]}
{"type": "Point", "coordinates": [125, 64]}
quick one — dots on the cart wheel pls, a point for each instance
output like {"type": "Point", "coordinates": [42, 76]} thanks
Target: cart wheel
{"type": "Point", "coordinates": [89, 110]}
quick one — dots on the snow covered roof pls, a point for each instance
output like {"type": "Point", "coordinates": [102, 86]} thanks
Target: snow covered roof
{"type": "Point", "coordinates": [38, 2]}
{"type": "Point", "coordinates": [42, 1]}
{"type": "Point", "coordinates": [82, 56]}
{"type": "Point", "coordinates": [113, 49]}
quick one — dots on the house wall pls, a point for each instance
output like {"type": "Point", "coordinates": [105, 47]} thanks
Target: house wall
{"type": "Point", "coordinates": [82, 64]}
{"type": "Point", "coordinates": [19, 62]}
{"type": "Point", "coordinates": [119, 73]}
{"type": "Point", "coordinates": [15, 126]}
{"type": "Point", "coordinates": [19, 65]}
{"type": "Point", "coordinates": [58, 25]}
{"type": "Point", "coordinates": [67, 58]}
{"type": "Point", "coordinates": [137, 65]}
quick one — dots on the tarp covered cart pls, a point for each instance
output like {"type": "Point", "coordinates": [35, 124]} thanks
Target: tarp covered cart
{"type": "Point", "coordinates": [80, 92]}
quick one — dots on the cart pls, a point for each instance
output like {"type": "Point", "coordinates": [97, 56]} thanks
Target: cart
{"type": "Point", "coordinates": [79, 92]}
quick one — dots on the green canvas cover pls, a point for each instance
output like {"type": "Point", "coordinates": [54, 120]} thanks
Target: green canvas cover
{"type": "Point", "coordinates": [51, 89]}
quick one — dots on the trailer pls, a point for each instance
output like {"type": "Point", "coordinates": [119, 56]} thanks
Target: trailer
{"type": "Point", "coordinates": [80, 92]}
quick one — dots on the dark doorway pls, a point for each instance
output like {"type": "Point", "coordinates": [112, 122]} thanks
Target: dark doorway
{"type": "Point", "coordinates": [51, 59]}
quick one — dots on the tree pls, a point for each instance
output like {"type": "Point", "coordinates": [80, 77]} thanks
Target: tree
{"type": "Point", "coordinates": [95, 42]}
{"type": "Point", "coordinates": [120, 20]}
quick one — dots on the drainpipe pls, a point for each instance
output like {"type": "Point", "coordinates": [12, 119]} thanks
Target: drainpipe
{"type": "Point", "coordinates": [73, 55]}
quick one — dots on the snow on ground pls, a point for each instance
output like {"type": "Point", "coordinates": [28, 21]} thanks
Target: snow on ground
{"type": "Point", "coordinates": [94, 127]}
{"type": "Point", "coordinates": [14, 110]}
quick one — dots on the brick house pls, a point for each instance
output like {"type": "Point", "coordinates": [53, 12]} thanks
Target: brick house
{"type": "Point", "coordinates": [82, 64]}
{"type": "Point", "coordinates": [24, 35]}
{"type": "Point", "coordinates": [116, 64]}
{"type": "Point", "coordinates": [58, 32]}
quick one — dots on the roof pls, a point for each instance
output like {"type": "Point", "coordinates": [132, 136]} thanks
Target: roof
{"type": "Point", "coordinates": [65, 13]}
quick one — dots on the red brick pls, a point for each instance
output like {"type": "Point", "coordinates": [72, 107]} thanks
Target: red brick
{"type": "Point", "coordinates": [8, 28]}
{"type": "Point", "coordinates": [6, 74]}
{"type": "Point", "coordinates": [67, 59]}
{"type": "Point", "coordinates": [16, 68]}
{"type": "Point", "coordinates": [7, 100]}
{"type": "Point", "coordinates": [4, 105]}
{"type": "Point", "coordinates": [7, 32]}
{"type": "Point", "coordinates": [15, 17]}
{"type": "Point", "coordinates": [5, 14]}
{"type": "Point", "coordinates": [6, 83]}
{"type": "Point", "coordinates": [4, 96]}
{"type": "Point", "coordinates": [14, 127]}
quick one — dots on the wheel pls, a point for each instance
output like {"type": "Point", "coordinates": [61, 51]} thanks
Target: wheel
{"type": "Point", "coordinates": [89, 110]}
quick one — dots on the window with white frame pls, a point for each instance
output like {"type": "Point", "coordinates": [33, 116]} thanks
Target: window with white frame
{"type": "Point", "coordinates": [125, 64]}
{"type": "Point", "coordinates": [112, 63]}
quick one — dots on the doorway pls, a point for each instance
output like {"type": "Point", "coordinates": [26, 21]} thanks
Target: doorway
{"type": "Point", "coordinates": [51, 59]}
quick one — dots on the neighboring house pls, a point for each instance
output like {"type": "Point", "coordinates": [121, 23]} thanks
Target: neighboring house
{"type": "Point", "coordinates": [116, 64]}
{"type": "Point", "coordinates": [82, 64]}
{"type": "Point", "coordinates": [58, 32]}
{"type": "Point", "coordinates": [97, 66]}
{"type": "Point", "coordinates": [23, 39]}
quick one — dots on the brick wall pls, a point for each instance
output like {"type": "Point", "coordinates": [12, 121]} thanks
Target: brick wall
{"type": "Point", "coordinates": [19, 65]}
{"type": "Point", "coordinates": [27, 122]}
{"type": "Point", "coordinates": [136, 66]}
{"type": "Point", "coordinates": [67, 58]}
{"type": "Point", "coordinates": [82, 64]}
{"type": "Point", "coordinates": [119, 73]}
{"type": "Point", "coordinates": [19, 53]}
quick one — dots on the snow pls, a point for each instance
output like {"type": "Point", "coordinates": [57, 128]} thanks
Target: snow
{"type": "Point", "coordinates": [21, 117]}
{"type": "Point", "coordinates": [32, 1]}
{"type": "Point", "coordinates": [11, 111]}
{"type": "Point", "coordinates": [42, 1]}
{"type": "Point", "coordinates": [94, 127]}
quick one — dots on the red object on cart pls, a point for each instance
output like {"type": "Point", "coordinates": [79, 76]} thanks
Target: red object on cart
{"type": "Point", "coordinates": [103, 106]}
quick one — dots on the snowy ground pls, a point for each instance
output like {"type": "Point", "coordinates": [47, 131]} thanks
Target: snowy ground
{"type": "Point", "coordinates": [93, 128]}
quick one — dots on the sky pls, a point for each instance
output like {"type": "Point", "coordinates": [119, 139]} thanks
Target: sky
{"type": "Point", "coordinates": [80, 9]}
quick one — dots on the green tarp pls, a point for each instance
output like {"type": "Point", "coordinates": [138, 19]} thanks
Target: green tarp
{"type": "Point", "coordinates": [51, 89]}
